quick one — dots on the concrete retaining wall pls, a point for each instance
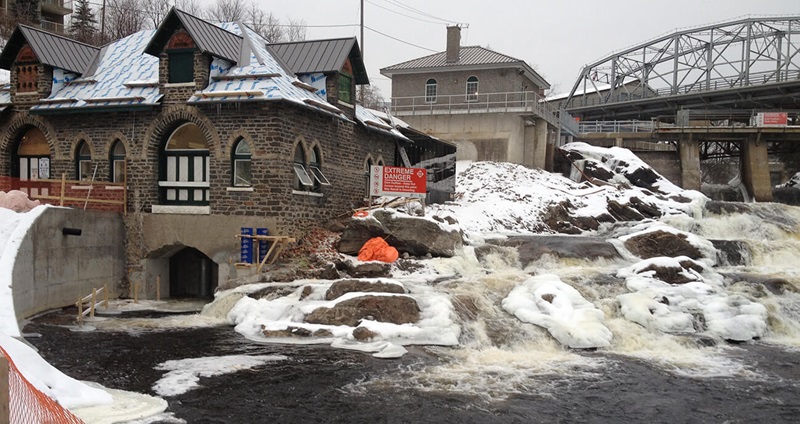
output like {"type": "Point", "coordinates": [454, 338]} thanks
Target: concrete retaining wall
{"type": "Point", "coordinates": [53, 270]}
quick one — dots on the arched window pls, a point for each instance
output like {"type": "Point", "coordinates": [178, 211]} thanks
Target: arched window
{"type": "Point", "coordinates": [83, 162]}
{"type": "Point", "coordinates": [184, 168]}
{"type": "Point", "coordinates": [242, 176]}
{"type": "Point", "coordinates": [180, 51]}
{"type": "Point", "coordinates": [32, 156]}
{"type": "Point", "coordinates": [367, 173]}
{"type": "Point", "coordinates": [472, 89]}
{"type": "Point", "coordinates": [430, 91]}
{"type": "Point", "coordinates": [116, 162]}
{"type": "Point", "coordinates": [315, 168]}
{"type": "Point", "coordinates": [303, 181]}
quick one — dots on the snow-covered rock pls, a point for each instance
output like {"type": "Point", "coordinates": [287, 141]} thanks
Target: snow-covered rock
{"type": "Point", "coordinates": [546, 301]}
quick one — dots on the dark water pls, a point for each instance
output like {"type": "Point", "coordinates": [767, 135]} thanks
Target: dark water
{"type": "Point", "coordinates": [309, 387]}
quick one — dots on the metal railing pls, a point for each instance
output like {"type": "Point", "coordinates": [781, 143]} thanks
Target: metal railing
{"type": "Point", "coordinates": [53, 27]}
{"type": "Point", "coordinates": [526, 101]}
{"type": "Point", "coordinates": [630, 126]}
{"type": "Point", "coordinates": [722, 83]}
{"type": "Point", "coordinates": [66, 4]}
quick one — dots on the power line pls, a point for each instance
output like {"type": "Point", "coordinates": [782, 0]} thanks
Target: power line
{"type": "Point", "coordinates": [402, 41]}
{"type": "Point", "coordinates": [402, 14]}
{"type": "Point", "coordinates": [415, 10]}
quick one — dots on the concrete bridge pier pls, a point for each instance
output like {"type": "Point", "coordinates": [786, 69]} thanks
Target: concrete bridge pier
{"type": "Point", "coordinates": [689, 151]}
{"type": "Point", "coordinates": [755, 168]}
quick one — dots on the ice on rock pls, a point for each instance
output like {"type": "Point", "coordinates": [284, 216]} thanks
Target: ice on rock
{"type": "Point", "coordinates": [546, 301]}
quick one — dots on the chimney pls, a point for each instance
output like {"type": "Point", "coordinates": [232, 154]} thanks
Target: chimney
{"type": "Point", "coordinates": [453, 43]}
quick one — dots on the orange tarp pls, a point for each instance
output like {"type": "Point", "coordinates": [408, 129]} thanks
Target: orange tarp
{"type": "Point", "coordinates": [376, 249]}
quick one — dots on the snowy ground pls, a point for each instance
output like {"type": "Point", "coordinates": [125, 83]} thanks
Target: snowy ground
{"type": "Point", "coordinates": [493, 200]}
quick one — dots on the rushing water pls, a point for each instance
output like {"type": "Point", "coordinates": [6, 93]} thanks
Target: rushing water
{"type": "Point", "coordinates": [504, 370]}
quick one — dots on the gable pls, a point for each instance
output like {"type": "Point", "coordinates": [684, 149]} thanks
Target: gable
{"type": "Point", "coordinates": [207, 37]}
{"type": "Point", "coordinates": [49, 49]}
{"type": "Point", "coordinates": [323, 56]}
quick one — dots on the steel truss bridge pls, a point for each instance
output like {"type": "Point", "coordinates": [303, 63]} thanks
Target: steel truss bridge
{"type": "Point", "coordinates": [749, 63]}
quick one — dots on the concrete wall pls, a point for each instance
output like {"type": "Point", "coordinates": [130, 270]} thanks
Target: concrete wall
{"type": "Point", "coordinates": [53, 270]}
{"type": "Point", "coordinates": [480, 136]}
{"type": "Point", "coordinates": [667, 164]}
{"type": "Point", "coordinates": [163, 235]}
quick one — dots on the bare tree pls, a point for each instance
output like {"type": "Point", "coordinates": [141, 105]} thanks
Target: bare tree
{"type": "Point", "coordinates": [123, 18]}
{"type": "Point", "coordinates": [227, 10]}
{"type": "Point", "coordinates": [296, 30]}
{"type": "Point", "coordinates": [156, 10]}
{"type": "Point", "coordinates": [191, 7]}
{"type": "Point", "coordinates": [373, 99]}
{"type": "Point", "coordinates": [265, 24]}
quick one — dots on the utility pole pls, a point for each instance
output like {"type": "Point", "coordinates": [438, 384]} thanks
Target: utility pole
{"type": "Point", "coordinates": [361, 92]}
{"type": "Point", "coordinates": [103, 24]}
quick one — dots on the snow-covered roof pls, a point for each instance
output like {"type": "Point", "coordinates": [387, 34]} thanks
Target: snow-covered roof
{"type": "Point", "coordinates": [579, 92]}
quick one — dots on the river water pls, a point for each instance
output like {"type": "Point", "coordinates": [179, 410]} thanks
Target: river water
{"type": "Point", "coordinates": [503, 370]}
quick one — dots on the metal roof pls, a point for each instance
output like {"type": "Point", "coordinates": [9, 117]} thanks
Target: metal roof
{"type": "Point", "coordinates": [51, 49]}
{"type": "Point", "coordinates": [469, 57]}
{"type": "Point", "coordinates": [307, 57]}
{"type": "Point", "coordinates": [208, 37]}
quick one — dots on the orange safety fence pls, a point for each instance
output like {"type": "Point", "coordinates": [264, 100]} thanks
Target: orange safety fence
{"type": "Point", "coordinates": [27, 405]}
{"type": "Point", "coordinates": [91, 195]}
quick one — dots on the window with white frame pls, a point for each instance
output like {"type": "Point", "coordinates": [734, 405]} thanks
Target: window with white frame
{"type": "Point", "coordinates": [472, 89]}
{"type": "Point", "coordinates": [309, 174]}
{"type": "Point", "coordinates": [117, 162]}
{"type": "Point", "coordinates": [314, 168]}
{"type": "Point", "coordinates": [83, 162]}
{"type": "Point", "coordinates": [184, 168]}
{"type": "Point", "coordinates": [430, 91]}
{"type": "Point", "coordinates": [242, 175]}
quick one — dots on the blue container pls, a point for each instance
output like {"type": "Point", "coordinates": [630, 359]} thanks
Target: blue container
{"type": "Point", "coordinates": [263, 245]}
{"type": "Point", "coordinates": [246, 252]}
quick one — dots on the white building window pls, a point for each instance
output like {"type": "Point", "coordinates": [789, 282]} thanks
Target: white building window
{"type": "Point", "coordinates": [472, 89]}
{"type": "Point", "coordinates": [430, 91]}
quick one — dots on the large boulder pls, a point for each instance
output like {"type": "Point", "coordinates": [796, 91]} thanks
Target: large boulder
{"type": "Point", "coordinates": [394, 309]}
{"type": "Point", "coordinates": [408, 234]}
{"type": "Point", "coordinates": [533, 247]}
{"type": "Point", "coordinates": [662, 243]}
{"type": "Point", "coordinates": [676, 274]}
{"type": "Point", "coordinates": [349, 286]}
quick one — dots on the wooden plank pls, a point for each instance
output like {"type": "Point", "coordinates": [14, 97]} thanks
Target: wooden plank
{"type": "Point", "coordinates": [77, 199]}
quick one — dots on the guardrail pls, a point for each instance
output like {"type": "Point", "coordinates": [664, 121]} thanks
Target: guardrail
{"type": "Point", "coordinates": [629, 126]}
{"type": "Point", "coordinates": [53, 27]}
{"type": "Point", "coordinates": [66, 4]}
{"type": "Point", "coordinates": [721, 83]}
{"type": "Point", "coordinates": [528, 101]}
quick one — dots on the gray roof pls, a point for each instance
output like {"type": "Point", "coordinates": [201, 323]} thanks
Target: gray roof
{"type": "Point", "coordinates": [51, 49]}
{"type": "Point", "coordinates": [306, 57]}
{"type": "Point", "coordinates": [209, 38]}
{"type": "Point", "coordinates": [469, 57]}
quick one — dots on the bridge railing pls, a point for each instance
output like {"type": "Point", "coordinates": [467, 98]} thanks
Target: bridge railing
{"type": "Point", "coordinates": [720, 83]}
{"type": "Point", "coordinates": [629, 126]}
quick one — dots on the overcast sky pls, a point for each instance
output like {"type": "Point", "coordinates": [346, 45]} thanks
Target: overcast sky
{"type": "Point", "coordinates": [555, 37]}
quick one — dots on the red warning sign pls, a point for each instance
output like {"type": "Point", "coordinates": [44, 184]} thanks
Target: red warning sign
{"type": "Point", "coordinates": [398, 181]}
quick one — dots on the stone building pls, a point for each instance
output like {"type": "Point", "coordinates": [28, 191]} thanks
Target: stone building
{"type": "Point", "coordinates": [488, 103]}
{"type": "Point", "coordinates": [212, 129]}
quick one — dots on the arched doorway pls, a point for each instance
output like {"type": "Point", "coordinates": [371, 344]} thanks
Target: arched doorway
{"type": "Point", "coordinates": [30, 161]}
{"type": "Point", "coordinates": [192, 274]}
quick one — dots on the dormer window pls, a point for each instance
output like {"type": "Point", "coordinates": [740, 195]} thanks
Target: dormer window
{"type": "Point", "coordinates": [180, 50]}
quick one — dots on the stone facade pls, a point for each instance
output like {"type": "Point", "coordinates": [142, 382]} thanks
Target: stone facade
{"type": "Point", "coordinates": [273, 130]}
